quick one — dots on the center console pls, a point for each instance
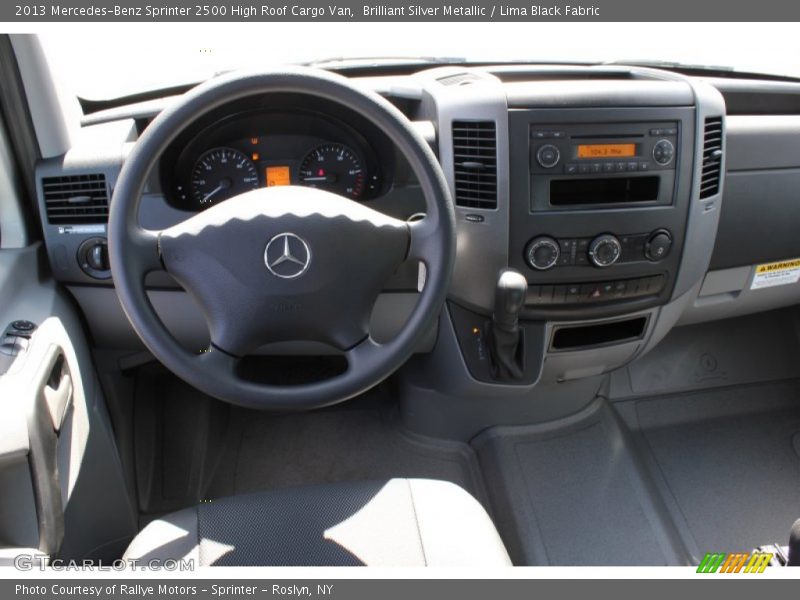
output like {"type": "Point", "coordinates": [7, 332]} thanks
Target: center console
{"type": "Point", "coordinates": [598, 206]}
{"type": "Point", "coordinates": [608, 186]}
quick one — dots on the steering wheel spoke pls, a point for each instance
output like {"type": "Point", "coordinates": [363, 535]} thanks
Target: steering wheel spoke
{"type": "Point", "coordinates": [363, 353]}
{"type": "Point", "coordinates": [425, 239]}
{"type": "Point", "coordinates": [144, 256]}
{"type": "Point", "coordinates": [217, 361]}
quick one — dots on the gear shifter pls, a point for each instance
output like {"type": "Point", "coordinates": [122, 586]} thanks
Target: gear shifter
{"type": "Point", "coordinates": [505, 338]}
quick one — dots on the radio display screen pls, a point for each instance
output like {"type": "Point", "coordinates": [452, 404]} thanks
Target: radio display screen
{"type": "Point", "coordinates": [606, 150]}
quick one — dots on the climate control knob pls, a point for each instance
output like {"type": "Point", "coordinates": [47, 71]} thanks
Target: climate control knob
{"type": "Point", "coordinates": [604, 250]}
{"type": "Point", "coordinates": [542, 253]}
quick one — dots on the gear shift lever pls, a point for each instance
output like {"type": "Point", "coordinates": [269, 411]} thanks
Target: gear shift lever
{"type": "Point", "coordinates": [504, 339]}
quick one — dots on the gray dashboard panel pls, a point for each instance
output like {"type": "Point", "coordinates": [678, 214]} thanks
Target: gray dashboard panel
{"type": "Point", "coordinates": [597, 93]}
{"type": "Point", "coordinates": [482, 246]}
{"type": "Point", "coordinates": [763, 142]}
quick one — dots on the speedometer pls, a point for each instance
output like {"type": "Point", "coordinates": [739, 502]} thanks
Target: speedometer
{"type": "Point", "coordinates": [222, 173]}
{"type": "Point", "coordinates": [334, 168]}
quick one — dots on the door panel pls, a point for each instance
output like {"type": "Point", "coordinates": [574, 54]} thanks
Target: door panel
{"type": "Point", "coordinates": [55, 425]}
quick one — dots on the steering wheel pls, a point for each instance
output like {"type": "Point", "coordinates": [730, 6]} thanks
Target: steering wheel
{"type": "Point", "coordinates": [281, 263]}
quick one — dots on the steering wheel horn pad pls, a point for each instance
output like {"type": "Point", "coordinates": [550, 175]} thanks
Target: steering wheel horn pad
{"type": "Point", "coordinates": [283, 263]}
{"type": "Point", "coordinates": [327, 261]}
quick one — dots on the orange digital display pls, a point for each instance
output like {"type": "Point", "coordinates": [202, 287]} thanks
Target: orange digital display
{"type": "Point", "coordinates": [278, 176]}
{"type": "Point", "coordinates": [606, 150]}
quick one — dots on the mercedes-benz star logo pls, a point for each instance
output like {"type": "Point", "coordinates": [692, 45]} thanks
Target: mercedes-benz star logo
{"type": "Point", "coordinates": [287, 256]}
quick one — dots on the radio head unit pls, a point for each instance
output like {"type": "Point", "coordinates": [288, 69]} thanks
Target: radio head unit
{"type": "Point", "coordinates": [585, 165]}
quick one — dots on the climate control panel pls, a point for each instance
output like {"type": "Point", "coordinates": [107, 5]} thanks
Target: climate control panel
{"type": "Point", "coordinates": [544, 252]}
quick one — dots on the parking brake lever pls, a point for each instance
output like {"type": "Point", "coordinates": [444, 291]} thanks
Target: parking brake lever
{"type": "Point", "coordinates": [505, 338]}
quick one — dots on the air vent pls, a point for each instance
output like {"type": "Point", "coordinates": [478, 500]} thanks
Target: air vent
{"type": "Point", "coordinates": [73, 199]}
{"type": "Point", "coordinates": [458, 79]}
{"type": "Point", "coordinates": [712, 157]}
{"type": "Point", "coordinates": [475, 163]}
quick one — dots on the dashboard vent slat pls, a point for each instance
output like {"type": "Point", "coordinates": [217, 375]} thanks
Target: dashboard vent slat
{"type": "Point", "coordinates": [458, 79]}
{"type": "Point", "coordinates": [475, 164]}
{"type": "Point", "coordinates": [712, 157]}
{"type": "Point", "coordinates": [76, 199]}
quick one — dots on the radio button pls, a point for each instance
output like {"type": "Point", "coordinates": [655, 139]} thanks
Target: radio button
{"type": "Point", "coordinates": [583, 169]}
{"type": "Point", "coordinates": [619, 167]}
{"type": "Point", "coordinates": [571, 169]}
{"type": "Point", "coordinates": [633, 166]}
{"type": "Point", "coordinates": [597, 167]}
{"type": "Point", "coordinates": [644, 166]}
{"type": "Point", "coordinates": [548, 156]}
{"type": "Point", "coordinates": [608, 167]}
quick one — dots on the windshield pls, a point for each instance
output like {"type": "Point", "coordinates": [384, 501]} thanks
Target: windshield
{"type": "Point", "coordinates": [115, 61]}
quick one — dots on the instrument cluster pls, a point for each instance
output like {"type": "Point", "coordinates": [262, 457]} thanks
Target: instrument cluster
{"type": "Point", "coordinates": [265, 148]}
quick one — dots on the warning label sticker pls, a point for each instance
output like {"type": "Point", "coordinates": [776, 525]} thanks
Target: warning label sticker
{"type": "Point", "coordinates": [777, 273]}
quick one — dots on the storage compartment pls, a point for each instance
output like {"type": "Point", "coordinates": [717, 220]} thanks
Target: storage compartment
{"type": "Point", "coordinates": [758, 222]}
{"type": "Point", "coordinates": [608, 190]}
{"type": "Point", "coordinates": [588, 336]}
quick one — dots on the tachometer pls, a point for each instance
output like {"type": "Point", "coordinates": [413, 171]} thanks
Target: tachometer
{"type": "Point", "coordinates": [334, 168]}
{"type": "Point", "coordinates": [222, 173]}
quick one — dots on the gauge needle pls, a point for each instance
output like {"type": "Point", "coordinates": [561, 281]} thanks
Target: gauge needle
{"type": "Point", "coordinates": [216, 190]}
{"type": "Point", "coordinates": [223, 185]}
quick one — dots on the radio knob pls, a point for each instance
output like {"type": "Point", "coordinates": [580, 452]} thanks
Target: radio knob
{"type": "Point", "coordinates": [605, 250]}
{"type": "Point", "coordinates": [663, 152]}
{"type": "Point", "coordinates": [542, 253]}
{"type": "Point", "coordinates": [548, 156]}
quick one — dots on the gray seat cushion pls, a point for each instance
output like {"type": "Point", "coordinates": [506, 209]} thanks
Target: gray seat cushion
{"type": "Point", "coordinates": [400, 522]}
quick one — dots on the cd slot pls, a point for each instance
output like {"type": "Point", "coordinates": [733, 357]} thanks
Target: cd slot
{"type": "Point", "coordinates": [606, 190]}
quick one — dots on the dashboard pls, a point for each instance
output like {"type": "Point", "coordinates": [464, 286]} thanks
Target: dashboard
{"type": "Point", "coordinates": [603, 186]}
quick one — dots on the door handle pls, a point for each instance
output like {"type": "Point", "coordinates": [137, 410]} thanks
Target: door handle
{"type": "Point", "coordinates": [58, 399]}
